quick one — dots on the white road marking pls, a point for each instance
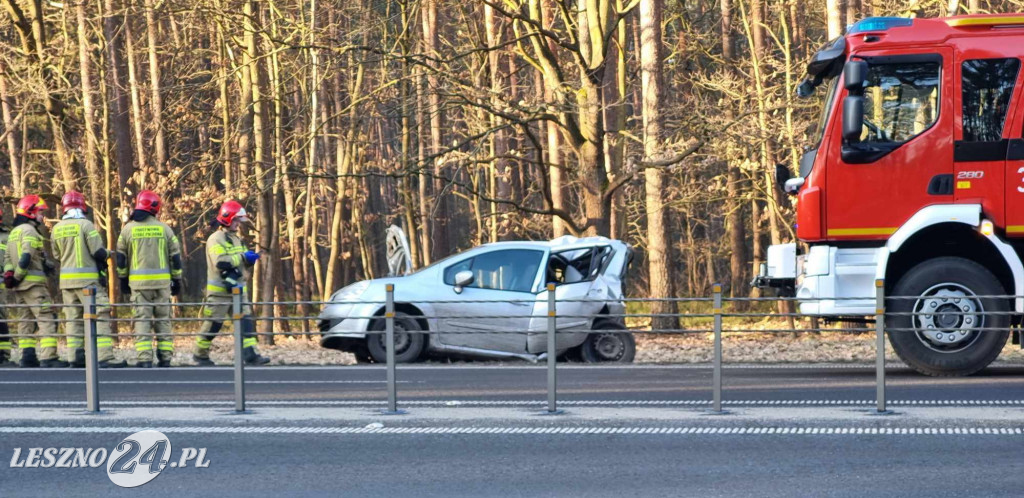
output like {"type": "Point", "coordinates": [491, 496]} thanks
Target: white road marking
{"type": "Point", "coordinates": [530, 403]}
{"type": "Point", "coordinates": [2, 382]}
{"type": "Point", "coordinates": [630, 431]}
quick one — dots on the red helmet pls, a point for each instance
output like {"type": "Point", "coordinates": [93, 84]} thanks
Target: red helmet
{"type": "Point", "coordinates": [149, 202]}
{"type": "Point", "coordinates": [73, 200]}
{"type": "Point", "coordinates": [231, 211]}
{"type": "Point", "coordinates": [31, 205]}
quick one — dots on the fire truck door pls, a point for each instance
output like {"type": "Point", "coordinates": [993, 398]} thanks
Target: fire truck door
{"type": "Point", "coordinates": [1014, 183]}
{"type": "Point", "coordinates": [984, 101]}
{"type": "Point", "coordinates": [904, 160]}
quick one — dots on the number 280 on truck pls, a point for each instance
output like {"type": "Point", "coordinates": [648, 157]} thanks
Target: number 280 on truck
{"type": "Point", "coordinates": [916, 176]}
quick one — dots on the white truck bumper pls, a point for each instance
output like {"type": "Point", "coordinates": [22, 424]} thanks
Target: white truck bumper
{"type": "Point", "coordinates": [830, 281]}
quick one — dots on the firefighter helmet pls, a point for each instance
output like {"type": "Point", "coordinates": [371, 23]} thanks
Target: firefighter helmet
{"type": "Point", "coordinates": [230, 211]}
{"type": "Point", "coordinates": [31, 206]}
{"type": "Point", "coordinates": [73, 200]}
{"type": "Point", "coordinates": [149, 202]}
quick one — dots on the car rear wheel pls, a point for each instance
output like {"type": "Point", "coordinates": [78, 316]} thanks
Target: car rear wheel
{"type": "Point", "coordinates": [947, 329]}
{"type": "Point", "coordinates": [608, 347]}
{"type": "Point", "coordinates": [409, 342]}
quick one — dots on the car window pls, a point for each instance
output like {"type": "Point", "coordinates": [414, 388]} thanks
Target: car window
{"type": "Point", "coordinates": [577, 265]}
{"type": "Point", "coordinates": [509, 270]}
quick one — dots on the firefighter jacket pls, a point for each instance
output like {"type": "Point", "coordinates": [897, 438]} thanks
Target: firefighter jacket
{"type": "Point", "coordinates": [75, 241]}
{"type": "Point", "coordinates": [25, 256]}
{"type": "Point", "coordinates": [224, 251]}
{"type": "Point", "coordinates": [3, 262]}
{"type": "Point", "coordinates": [148, 254]}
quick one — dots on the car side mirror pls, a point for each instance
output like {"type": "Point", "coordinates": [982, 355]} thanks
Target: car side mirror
{"type": "Point", "coordinates": [463, 279]}
{"type": "Point", "coordinates": [853, 118]}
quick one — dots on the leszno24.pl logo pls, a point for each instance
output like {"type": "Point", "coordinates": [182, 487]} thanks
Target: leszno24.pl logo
{"type": "Point", "coordinates": [136, 460]}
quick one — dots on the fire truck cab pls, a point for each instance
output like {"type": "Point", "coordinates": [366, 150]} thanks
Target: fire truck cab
{"type": "Point", "coordinates": [917, 178]}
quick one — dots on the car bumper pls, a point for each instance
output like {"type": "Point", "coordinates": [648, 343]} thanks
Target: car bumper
{"type": "Point", "coordinates": [344, 321]}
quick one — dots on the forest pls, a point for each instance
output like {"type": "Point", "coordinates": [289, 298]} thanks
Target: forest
{"type": "Point", "coordinates": [657, 122]}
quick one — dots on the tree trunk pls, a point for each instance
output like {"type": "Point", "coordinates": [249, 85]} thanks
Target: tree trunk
{"type": "Point", "coordinates": [120, 119]}
{"type": "Point", "coordinates": [12, 129]}
{"type": "Point", "coordinates": [499, 171]}
{"type": "Point", "coordinates": [156, 102]}
{"type": "Point", "coordinates": [834, 18]}
{"type": "Point", "coordinates": [88, 110]}
{"type": "Point", "coordinates": [142, 167]}
{"type": "Point", "coordinates": [658, 256]}
{"type": "Point", "coordinates": [440, 245]}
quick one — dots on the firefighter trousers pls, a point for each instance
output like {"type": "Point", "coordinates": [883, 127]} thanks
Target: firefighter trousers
{"type": "Point", "coordinates": [75, 301]}
{"type": "Point", "coordinates": [37, 322]}
{"type": "Point", "coordinates": [5, 328]}
{"type": "Point", "coordinates": [217, 309]}
{"type": "Point", "coordinates": [152, 310]}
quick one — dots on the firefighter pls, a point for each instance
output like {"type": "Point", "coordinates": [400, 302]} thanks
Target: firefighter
{"type": "Point", "coordinates": [228, 264]}
{"type": "Point", "coordinates": [25, 270]}
{"type": "Point", "coordinates": [83, 264]}
{"type": "Point", "coordinates": [149, 269]}
{"type": "Point", "coordinates": [5, 299]}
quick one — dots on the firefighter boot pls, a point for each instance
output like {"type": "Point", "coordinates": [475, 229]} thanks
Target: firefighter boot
{"type": "Point", "coordinates": [251, 357]}
{"type": "Point", "coordinates": [112, 364]}
{"type": "Point", "coordinates": [28, 358]}
{"type": "Point", "coordinates": [78, 359]}
{"type": "Point", "coordinates": [53, 363]}
{"type": "Point", "coordinates": [4, 358]}
{"type": "Point", "coordinates": [203, 362]}
{"type": "Point", "coordinates": [144, 364]}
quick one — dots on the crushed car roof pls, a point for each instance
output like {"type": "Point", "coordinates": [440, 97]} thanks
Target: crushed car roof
{"type": "Point", "coordinates": [563, 242]}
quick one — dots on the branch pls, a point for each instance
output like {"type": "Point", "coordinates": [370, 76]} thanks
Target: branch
{"type": "Point", "coordinates": [634, 166]}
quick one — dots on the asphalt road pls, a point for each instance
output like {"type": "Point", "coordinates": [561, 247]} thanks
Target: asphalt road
{"type": "Point", "coordinates": [539, 465]}
{"type": "Point", "coordinates": [687, 384]}
{"type": "Point", "coordinates": [478, 430]}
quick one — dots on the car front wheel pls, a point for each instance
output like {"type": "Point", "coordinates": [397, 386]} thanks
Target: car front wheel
{"type": "Point", "coordinates": [608, 344]}
{"type": "Point", "coordinates": [409, 342]}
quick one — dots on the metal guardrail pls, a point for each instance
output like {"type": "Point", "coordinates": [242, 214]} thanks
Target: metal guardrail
{"type": "Point", "coordinates": [717, 315]}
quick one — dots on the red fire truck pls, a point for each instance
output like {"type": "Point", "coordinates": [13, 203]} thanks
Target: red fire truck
{"type": "Point", "coordinates": [916, 177]}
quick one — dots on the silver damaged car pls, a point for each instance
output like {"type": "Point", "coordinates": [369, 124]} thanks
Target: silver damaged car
{"type": "Point", "coordinates": [444, 309]}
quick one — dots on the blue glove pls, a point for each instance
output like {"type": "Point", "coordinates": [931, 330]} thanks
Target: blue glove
{"type": "Point", "coordinates": [251, 257]}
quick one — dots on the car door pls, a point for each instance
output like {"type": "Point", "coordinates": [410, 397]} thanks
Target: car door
{"type": "Point", "coordinates": [578, 299]}
{"type": "Point", "coordinates": [905, 157]}
{"type": "Point", "coordinates": [494, 311]}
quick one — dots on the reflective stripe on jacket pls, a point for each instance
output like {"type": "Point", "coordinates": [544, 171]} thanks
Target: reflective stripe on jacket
{"type": "Point", "coordinates": [74, 243]}
{"type": "Point", "coordinates": [147, 249]}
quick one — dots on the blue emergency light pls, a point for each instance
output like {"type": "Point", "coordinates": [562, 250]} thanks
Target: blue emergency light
{"type": "Point", "coordinates": [880, 24]}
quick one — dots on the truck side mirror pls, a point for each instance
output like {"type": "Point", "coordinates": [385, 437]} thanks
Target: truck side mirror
{"type": "Point", "coordinates": [782, 175]}
{"type": "Point", "coordinates": [853, 118]}
{"type": "Point", "coordinates": [854, 75]}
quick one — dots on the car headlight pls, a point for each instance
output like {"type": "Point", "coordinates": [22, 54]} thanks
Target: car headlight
{"type": "Point", "coordinates": [352, 292]}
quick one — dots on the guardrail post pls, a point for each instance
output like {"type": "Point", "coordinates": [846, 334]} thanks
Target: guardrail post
{"type": "Point", "coordinates": [92, 383]}
{"type": "Point", "coordinates": [880, 344]}
{"type": "Point", "coordinates": [389, 331]}
{"type": "Point", "coordinates": [552, 353]}
{"type": "Point", "coordinates": [236, 319]}
{"type": "Point", "coordinates": [716, 376]}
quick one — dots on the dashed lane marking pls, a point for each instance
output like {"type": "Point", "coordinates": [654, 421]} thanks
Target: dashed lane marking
{"type": "Point", "coordinates": [2, 382]}
{"type": "Point", "coordinates": [630, 431]}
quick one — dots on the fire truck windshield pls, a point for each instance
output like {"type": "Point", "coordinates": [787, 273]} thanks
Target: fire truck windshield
{"type": "Point", "coordinates": [830, 97]}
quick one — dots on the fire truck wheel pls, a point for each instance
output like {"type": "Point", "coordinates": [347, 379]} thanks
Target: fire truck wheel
{"type": "Point", "coordinates": [948, 330]}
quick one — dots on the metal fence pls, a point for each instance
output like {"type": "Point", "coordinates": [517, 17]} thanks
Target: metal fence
{"type": "Point", "coordinates": [712, 308]}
